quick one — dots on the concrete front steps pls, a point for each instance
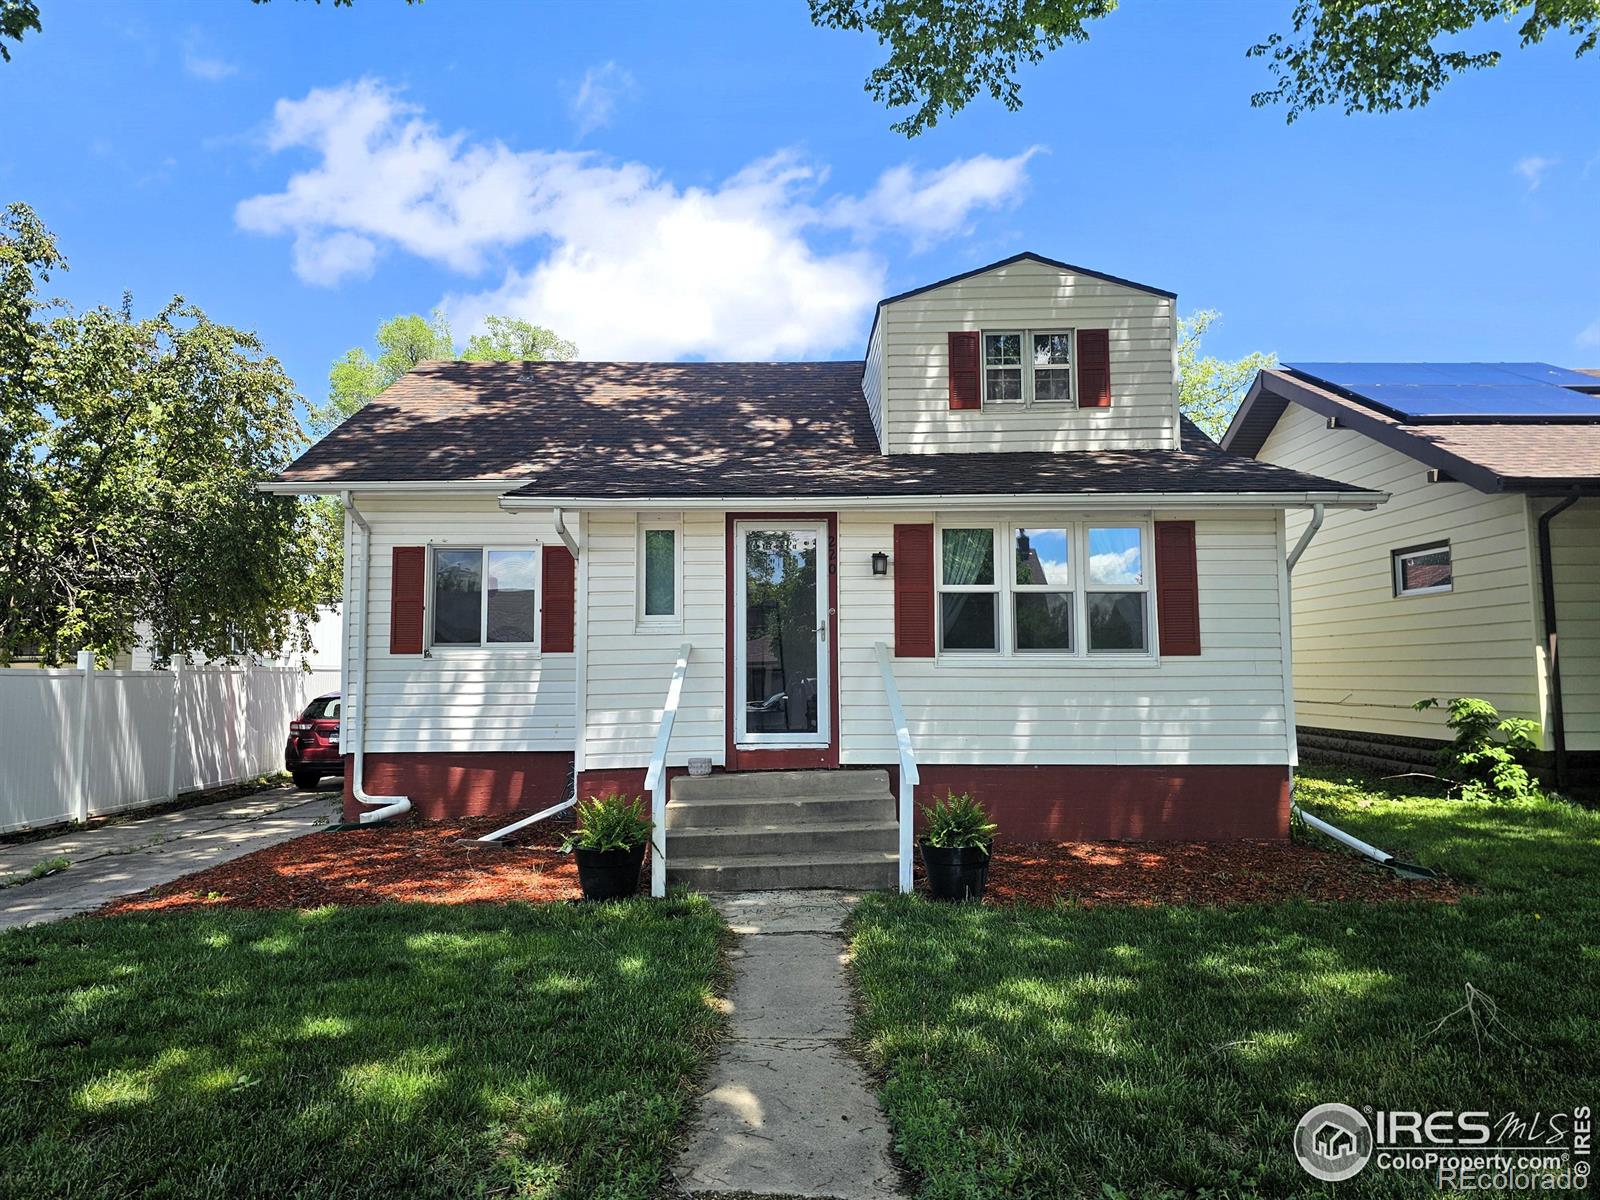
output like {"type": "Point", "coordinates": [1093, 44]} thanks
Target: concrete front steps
{"type": "Point", "coordinates": [767, 830]}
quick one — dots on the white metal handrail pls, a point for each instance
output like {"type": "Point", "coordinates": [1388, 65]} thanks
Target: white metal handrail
{"type": "Point", "coordinates": [909, 776]}
{"type": "Point", "coordinates": [655, 778]}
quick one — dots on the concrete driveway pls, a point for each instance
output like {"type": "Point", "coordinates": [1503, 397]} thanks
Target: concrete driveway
{"type": "Point", "coordinates": [140, 852]}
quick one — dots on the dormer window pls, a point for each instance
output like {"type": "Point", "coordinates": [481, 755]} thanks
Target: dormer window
{"type": "Point", "coordinates": [1027, 366]}
{"type": "Point", "coordinates": [1002, 366]}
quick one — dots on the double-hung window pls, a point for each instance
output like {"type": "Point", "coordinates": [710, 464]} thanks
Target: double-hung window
{"type": "Point", "coordinates": [969, 589]}
{"type": "Point", "coordinates": [1077, 588]}
{"type": "Point", "coordinates": [660, 573]}
{"type": "Point", "coordinates": [1117, 589]}
{"type": "Point", "coordinates": [1042, 595]}
{"type": "Point", "coordinates": [485, 597]}
{"type": "Point", "coordinates": [1027, 366]}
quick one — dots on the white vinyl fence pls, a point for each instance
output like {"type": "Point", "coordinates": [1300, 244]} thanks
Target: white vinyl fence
{"type": "Point", "coordinates": [80, 743]}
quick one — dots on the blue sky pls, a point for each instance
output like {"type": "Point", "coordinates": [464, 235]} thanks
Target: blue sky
{"type": "Point", "coordinates": [710, 180]}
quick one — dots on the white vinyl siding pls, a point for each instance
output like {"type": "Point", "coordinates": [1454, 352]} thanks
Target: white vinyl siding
{"type": "Point", "coordinates": [1362, 655]}
{"type": "Point", "coordinates": [872, 381]}
{"type": "Point", "coordinates": [629, 667]}
{"type": "Point", "coordinates": [1575, 559]}
{"type": "Point", "coordinates": [1028, 295]}
{"type": "Point", "coordinates": [463, 698]}
{"type": "Point", "coordinates": [1225, 706]}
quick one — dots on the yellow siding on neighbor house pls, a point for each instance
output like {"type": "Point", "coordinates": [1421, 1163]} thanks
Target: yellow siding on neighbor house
{"type": "Point", "coordinates": [1029, 295]}
{"type": "Point", "coordinates": [1361, 654]}
{"type": "Point", "coordinates": [1575, 558]}
{"type": "Point", "coordinates": [459, 699]}
{"type": "Point", "coordinates": [1225, 706]}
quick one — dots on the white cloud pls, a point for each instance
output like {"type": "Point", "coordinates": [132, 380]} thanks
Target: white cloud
{"type": "Point", "coordinates": [201, 65]}
{"type": "Point", "coordinates": [595, 102]}
{"type": "Point", "coordinates": [1533, 168]}
{"type": "Point", "coordinates": [1590, 334]}
{"type": "Point", "coordinates": [933, 204]}
{"type": "Point", "coordinates": [1119, 566]}
{"type": "Point", "coordinates": [626, 263]}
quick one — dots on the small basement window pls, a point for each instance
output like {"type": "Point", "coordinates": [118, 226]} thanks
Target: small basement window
{"type": "Point", "coordinates": [1422, 570]}
{"type": "Point", "coordinates": [485, 597]}
{"type": "Point", "coordinates": [660, 572]}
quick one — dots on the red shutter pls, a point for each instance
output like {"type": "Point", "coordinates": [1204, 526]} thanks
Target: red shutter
{"type": "Point", "coordinates": [966, 388]}
{"type": "Point", "coordinates": [1094, 368]}
{"type": "Point", "coordinates": [560, 601]}
{"type": "Point", "coordinates": [913, 591]}
{"type": "Point", "coordinates": [1177, 588]}
{"type": "Point", "coordinates": [407, 580]}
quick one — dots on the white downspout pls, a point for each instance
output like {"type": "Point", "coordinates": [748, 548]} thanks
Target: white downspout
{"type": "Point", "coordinates": [1305, 538]}
{"type": "Point", "coordinates": [565, 534]}
{"type": "Point", "coordinates": [1316, 822]}
{"type": "Point", "coordinates": [390, 806]}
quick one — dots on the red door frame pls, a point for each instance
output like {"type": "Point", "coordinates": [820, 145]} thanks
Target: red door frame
{"type": "Point", "coordinates": [785, 758]}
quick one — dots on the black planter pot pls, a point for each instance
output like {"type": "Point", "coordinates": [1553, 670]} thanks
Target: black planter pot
{"type": "Point", "coordinates": [958, 874]}
{"type": "Point", "coordinates": [609, 874]}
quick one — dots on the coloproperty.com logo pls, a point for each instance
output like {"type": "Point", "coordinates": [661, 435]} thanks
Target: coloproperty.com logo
{"type": "Point", "coordinates": [1465, 1151]}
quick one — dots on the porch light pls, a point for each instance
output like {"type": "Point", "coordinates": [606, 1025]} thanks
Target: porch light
{"type": "Point", "coordinates": [880, 563]}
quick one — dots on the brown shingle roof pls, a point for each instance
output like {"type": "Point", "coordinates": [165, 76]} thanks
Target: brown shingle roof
{"type": "Point", "coordinates": [1492, 457]}
{"type": "Point", "coordinates": [711, 429]}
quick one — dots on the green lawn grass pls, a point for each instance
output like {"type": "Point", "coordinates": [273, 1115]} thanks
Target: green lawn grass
{"type": "Point", "coordinates": [1155, 1051]}
{"type": "Point", "coordinates": [403, 1050]}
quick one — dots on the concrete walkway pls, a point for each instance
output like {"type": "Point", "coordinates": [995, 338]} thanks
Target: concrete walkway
{"type": "Point", "coordinates": [140, 852]}
{"type": "Point", "coordinates": [789, 1112]}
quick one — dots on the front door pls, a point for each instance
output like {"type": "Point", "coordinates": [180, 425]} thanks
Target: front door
{"type": "Point", "coordinates": [782, 640]}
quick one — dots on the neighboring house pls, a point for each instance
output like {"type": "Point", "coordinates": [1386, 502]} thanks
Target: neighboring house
{"type": "Point", "coordinates": [1488, 552]}
{"type": "Point", "coordinates": [1082, 601]}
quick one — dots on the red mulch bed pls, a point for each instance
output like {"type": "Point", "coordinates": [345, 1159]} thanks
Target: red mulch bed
{"type": "Point", "coordinates": [424, 861]}
{"type": "Point", "coordinates": [1203, 873]}
{"type": "Point", "coordinates": [437, 862]}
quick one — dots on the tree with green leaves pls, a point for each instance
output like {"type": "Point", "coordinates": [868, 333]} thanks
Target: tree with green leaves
{"type": "Point", "coordinates": [405, 341]}
{"type": "Point", "coordinates": [1210, 388]}
{"type": "Point", "coordinates": [1367, 57]}
{"type": "Point", "coordinates": [130, 453]}
{"type": "Point", "coordinates": [17, 17]}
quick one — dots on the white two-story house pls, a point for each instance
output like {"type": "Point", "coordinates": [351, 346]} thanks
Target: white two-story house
{"type": "Point", "coordinates": [989, 556]}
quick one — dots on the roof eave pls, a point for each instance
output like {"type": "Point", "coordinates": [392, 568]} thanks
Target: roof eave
{"type": "Point", "coordinates": [1278, 387]}
{"type": "Point", "coordinates": [1008, 501]}
{"type": "Point", "coordinates": [327, 487]}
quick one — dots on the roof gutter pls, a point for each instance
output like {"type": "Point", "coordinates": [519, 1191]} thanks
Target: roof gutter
{"type": "Point", "coordinates": [1547, 584]}
{"type": "Point", "coordinates": [343, 487]}
{"type": "Point", "coordinates": [1075, 500]}
{"type": "Point", "coordinates": [389, 806]}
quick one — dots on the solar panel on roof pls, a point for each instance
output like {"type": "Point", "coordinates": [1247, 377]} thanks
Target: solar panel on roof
{"type": "Point", "coordinates": [1464, 392]}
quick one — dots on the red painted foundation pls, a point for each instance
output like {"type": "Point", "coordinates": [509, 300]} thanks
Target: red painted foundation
{"type": "Point", "coordinates": [462, 785]}
{"type": "Point", "coordinates": [1094, 803]}
{"type": "Point", "coordinates": [1053, 803]}
{"type": "Point", "coordinates": [623, 783]}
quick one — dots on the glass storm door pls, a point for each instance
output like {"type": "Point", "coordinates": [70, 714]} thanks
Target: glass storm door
{"type": "Point", "coordinates": [781, 632]}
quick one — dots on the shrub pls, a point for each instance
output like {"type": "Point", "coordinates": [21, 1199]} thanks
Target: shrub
{"type": "Point", "coordinates": [958, 823]}
{"type": "Point", "coordinates": [1478, 761]}
{"type": "Point", "coordinates": [611, 822]}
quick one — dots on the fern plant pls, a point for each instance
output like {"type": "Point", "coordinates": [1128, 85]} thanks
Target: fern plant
{"type": "Point", "coordinates": [613, 822]}
{"type": "Point", "coordinates": [958, 823]}
{"type": "Point", "coordinates": [1483, 760]}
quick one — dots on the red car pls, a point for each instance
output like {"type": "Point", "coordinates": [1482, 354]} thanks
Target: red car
{"type": "Point", "coordinates": [313, 749]}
